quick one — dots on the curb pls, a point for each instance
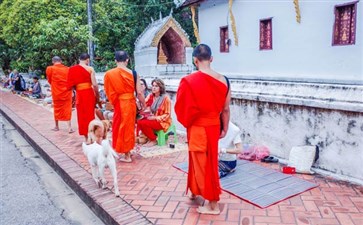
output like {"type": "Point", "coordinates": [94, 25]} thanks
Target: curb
{"type": "Point", "coordinates": [69, 171]}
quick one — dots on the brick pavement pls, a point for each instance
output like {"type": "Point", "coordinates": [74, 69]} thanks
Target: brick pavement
{"type": "Point", "coordinates": [153, 191]}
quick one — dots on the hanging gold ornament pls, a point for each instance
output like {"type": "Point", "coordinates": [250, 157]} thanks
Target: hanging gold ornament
{"type": "Point", "coordinates": [195, 26]}
{"type": "Point", "coordinates": [297, 10]}
{"type": "Point", "coordinates": [233, 23]}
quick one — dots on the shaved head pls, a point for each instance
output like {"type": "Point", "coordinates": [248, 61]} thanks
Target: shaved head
{"type": "Point", "coordinates": [56, 59]}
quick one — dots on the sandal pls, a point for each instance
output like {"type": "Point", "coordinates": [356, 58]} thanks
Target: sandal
{"type": "Point", "coordinates": [270, 159]}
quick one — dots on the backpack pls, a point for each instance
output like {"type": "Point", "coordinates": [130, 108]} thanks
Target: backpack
{"type": "Point", "coordinates": [22, 82]}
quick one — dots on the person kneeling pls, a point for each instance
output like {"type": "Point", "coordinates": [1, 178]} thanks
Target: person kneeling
{"type": "Point", "coordinates": [157, 114]}
{"type": "Point", "coordinates": [229, 147]}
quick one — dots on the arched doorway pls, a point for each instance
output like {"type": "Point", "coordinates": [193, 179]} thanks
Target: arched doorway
{"type": "Point", "coordinates": [171, 48]}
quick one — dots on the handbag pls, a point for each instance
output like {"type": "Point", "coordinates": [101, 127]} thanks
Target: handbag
{"type": "Point", "coordinates": [138, 106]}
{"type": "Point", "coordinates": [220, 116]}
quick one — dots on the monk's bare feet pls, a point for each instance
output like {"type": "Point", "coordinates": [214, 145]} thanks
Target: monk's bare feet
{"type": "Point", "coordinates": [126, 158]}
{"type": "Point", "coordinates": [71, 131]}
{"type": "Point", "coordinates": [207, 210]}
{"type": "Point", "coordinates": [55, 129]}
{"type": "Point", "coordinates": [150, 144]}
{"type": "Point", "coordinates": [192, 197]}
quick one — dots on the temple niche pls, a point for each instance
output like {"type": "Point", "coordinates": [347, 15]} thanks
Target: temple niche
{"type": "Point", "coordinates": [163, 49]}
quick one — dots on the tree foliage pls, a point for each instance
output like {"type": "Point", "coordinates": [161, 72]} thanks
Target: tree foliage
{"type": "Point", "coordinates": [33, 31]}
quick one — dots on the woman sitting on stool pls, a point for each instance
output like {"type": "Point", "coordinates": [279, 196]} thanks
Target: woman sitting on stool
{"type": "Point", "coordinates": [157, 114]}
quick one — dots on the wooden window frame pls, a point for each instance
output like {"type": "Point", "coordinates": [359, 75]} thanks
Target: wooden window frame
{"type": "Point", "coordinates": [271, 38]}
{"type": "Point", "coordinates": [225, 45]}
{"type": "Point", "coordinates": [354, 3]}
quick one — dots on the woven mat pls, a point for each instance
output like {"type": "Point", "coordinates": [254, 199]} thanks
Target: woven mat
{"type": "Point", "coordinates": [148, 152]}
{"type": "Point", "coordinates": [259, 185]}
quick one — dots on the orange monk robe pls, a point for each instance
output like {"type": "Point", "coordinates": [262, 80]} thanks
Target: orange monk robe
{"type": "Point", "coordinates": [200, 100]}
{"type": "Point", "coordinates": [62, 97]}
{"type": "Point", "coordinates": [80, 78]}
{"type": "Point", "coordinates": [120, 90]}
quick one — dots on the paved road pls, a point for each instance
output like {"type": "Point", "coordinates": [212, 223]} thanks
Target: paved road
{"type": "Point", "coordinates": [31, 192]}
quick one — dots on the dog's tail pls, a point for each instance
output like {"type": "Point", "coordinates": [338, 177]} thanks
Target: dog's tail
{"type": "Point", "coordinates": [107, 149]}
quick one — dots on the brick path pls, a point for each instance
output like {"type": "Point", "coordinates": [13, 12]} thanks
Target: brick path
{"type": "Point", "coordinates": [153, 191]}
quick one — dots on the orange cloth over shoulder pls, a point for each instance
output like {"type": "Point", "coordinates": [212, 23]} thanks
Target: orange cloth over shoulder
{"type": "Point", "coordinates": [120, 90]}
{"type": "Point", "coordinates": [80, 78]}
{"type": "Point", "coordinates": [57, 76]}
{"type": "Point", "coordinates": [200, 100]}
{"type": "Point", "coordinates": [163, 114]}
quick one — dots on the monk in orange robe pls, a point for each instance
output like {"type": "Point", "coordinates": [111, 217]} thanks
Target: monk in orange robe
{"type": "Point", "coordinates": [120, 87]}
{"type": "Point", "coordinates": [202, 107]}
{"type": "Point", "coordinates": [83, 78]}
{"type": "Point", "coordinates": [57, 76]}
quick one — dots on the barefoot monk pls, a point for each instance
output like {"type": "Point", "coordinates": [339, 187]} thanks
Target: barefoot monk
{"type": "Point", "coordinates": [61, 96]}
{"type": "Point", "coordinates": [83, 78]}
{"type": "Point", "coordinates": [120, 84]}
{"type": "Point", "coordinates": [202, 107]}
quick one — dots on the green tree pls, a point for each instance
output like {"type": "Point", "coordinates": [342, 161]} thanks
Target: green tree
{"type": "Point", "coordinates": [38, 29]}
{"type": "Point", "coordinates": [33, 31]}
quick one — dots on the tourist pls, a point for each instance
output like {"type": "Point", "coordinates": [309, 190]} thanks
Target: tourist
{"type": "Point", "coordinates": [157, 115]}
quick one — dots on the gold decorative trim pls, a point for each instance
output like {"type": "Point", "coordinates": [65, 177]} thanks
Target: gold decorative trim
{"type": "Point", "coordinates": [171, 23]}
{"type": "Point", "coordinates": [297, 10]}
{"type": "Point", "coordinates": [233, 22]}
{"type": "Point", "coordinates": [195, 26]}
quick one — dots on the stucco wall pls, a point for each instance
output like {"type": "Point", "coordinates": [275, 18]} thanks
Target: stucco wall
{"type": "Point", "coordinates": [338, 134]}
{"type": "Point", "coordinates": [329, 116]}
{"type": "Point", "coordinates": [300, 51]}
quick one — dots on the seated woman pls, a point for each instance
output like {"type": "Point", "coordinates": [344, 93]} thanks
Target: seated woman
{"type": "Point", "coordinates": [157, 114]}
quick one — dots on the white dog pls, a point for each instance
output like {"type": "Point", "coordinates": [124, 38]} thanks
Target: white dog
{"type": "Point", "coordinates": [96, 131]}
{"type": "Point", "coordinates": [100, 157]}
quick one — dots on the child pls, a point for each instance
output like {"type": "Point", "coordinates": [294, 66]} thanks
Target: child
{"type": "Point", "coordinates": [229, 147]}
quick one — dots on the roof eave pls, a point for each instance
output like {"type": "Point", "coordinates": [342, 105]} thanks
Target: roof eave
{"type": "Point", "coordinates": [189, 3]}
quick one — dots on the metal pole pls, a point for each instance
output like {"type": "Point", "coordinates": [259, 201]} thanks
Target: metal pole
{"type": "Point", "coordinates": [90, 42]}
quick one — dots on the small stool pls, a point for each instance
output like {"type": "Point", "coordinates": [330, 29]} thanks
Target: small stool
{"type": "Point", "coordinates": [163, 136]}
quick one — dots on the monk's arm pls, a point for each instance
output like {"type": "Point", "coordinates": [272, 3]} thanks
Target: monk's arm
{"type": "Point", "coordinates": [140, 95]}
{"type": "Point", "coordinates": [48, 72]}
{"type": "Point", "coordinates": [225, 115]}
{"type": "Point", "coordinates": [95, 85]}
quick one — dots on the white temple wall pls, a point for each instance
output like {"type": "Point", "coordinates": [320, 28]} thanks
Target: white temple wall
{"type": "Point", "coordinates": [146, 62]}
{"type": "Point", "coordinates": [300, 51]}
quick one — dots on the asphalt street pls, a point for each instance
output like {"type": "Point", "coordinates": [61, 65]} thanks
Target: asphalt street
{"type": "Point", "coordinates": [31, 191]}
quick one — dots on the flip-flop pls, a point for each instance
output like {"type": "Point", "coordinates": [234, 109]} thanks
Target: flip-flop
{"type": "Point", "coordinates": [204, 210]}
{"type": "Point", "coordinates": [55, 129]}
{"type": "Point", "coordinates": [71, 131]}
{"type": "Point", "coordinates": [270, 159]}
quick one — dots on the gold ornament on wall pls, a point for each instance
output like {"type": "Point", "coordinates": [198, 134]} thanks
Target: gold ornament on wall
{"type": "Point", "coordinates": [297, 10]}
{"type": "Point", "coordinates": [195, 27]}
{"type": "Point", "coordinates": [233, 23]}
